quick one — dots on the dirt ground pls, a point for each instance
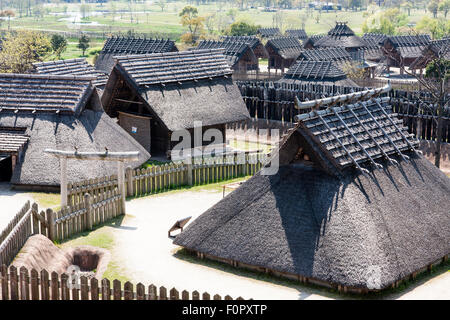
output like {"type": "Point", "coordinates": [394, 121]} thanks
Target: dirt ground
{"type": "Point", "coordinates": [148, 256]}
{"type": "Point", "coordinates": [11, 202]}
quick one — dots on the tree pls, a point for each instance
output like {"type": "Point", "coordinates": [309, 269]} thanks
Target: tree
{"type": "Point", "coordinates": [21, 49]}
{"type": "Point", "coordinates": [444, 6]}
{"type": "Point", "coordinates": [437, 27]}
{"type": "Point", "coordinates": [83, 43]}
{"type": "Point", "coordinates": [407, 6]}
{"type": "Point", "coordinates": [194, 23]}
{"type": "Point", "coordinates": [433, 7]}
{"type": "Point", "coordinates": [59, 44]}
{"type": "Point", "coordinates": [161, 4]}
{"type": "Point", "coordinates": [8, 14]}
{"type": "Point", "coordinates": [84, 11]}
{"type": "Point", "coordinates": [242, 28]}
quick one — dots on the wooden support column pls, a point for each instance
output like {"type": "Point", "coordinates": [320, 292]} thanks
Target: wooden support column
{"type": "Point", "coordinates": [88, 207]}
{"type": "Point", "coordinates": [63, 165]}
{"type": "Point", "coordinates": [129, 178]}
{"type": "Point", "coordinates": [121, 181]}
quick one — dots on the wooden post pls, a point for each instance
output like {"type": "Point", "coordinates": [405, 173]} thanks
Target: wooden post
{"type": "Point", "coordinates": [51, 224]}
{"type": "Point", "coordinates": [189, 172]}
{"type": "Point", "coordinates": [63, 165]}
{"type": "Point", "coordinates": [87, 205]}
{"type": "Point", "coordinates": [121, 181]}
{"type": "Point", "coordinates": [129, 177]}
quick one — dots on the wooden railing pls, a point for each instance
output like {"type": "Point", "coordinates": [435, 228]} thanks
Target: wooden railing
{"type": "Point", "coordinates": [155, 179]}
{"type": "Point", "coordinates": [34, 285]}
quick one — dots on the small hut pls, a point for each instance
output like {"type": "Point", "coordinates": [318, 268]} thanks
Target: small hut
{"type": "Point", "coordinates": [404, 50]}
{"type": "Point", "coordinates": [300, 34]}
{"type": "Point", "coordinates": [119, 46]}
{"type": "Point", "coordinates": [257, 46]}
{"type": "Point", "coordinates": [75, 67]}
{"type": "Point", "coordinates": [436, 49]}
{"type": "Point", "coordinates": [269, 32]}
{"type": "Point", "coordinates": [341, 36]}
{"type": "Point", "coordinates": [352, 206]}
{"type": "Point", "coordinates": [240, 55]}
{"type": "Point", "coordinates": [316, 72]}
{"type": "Point", "coordinates": [156, 95]}
{"type": "Point", "coordinates": [58, 112]}
{"type": "Point", "coordinates": [310, 42]}
{"type": "Point", "coordinates": [283, 51]}
{"type": "Point", "coordinates": [374, 42]}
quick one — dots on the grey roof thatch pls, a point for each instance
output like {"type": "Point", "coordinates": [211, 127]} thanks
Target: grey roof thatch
{"type": "Point", "coordinates": [252, 41]}
{"type": "Point", "coordinates": [59, 112]}
{"type": "Point", "coordinates": [297, 33]}
{"type": "Point", "coordinates": [409, 40]}
{"type": "Point", "coordinates": [116, 46]}
{"type": "Point", "coordinates": [341, 36]}
{"type": "Point", "coordinates": [183, 87]}
{"type": "Point", "coordinates": [75, 67]}
{"type": "Point", "coordinates": [326, 72]}
{"type": "Point", "coordinates": [436, 49]}
{"type": "Point", "coordinates": [374, 39]}
{"type": "Point", "coordinates": [269, 32]}
{"type": "Point", "coordinates": [232, 50]}
{"type": "Point", "coordinates": [325, 54]}
{"type": "Point", "coordinates": [343, 228]}
{"type": "Point", "coordinates": [286, 47]}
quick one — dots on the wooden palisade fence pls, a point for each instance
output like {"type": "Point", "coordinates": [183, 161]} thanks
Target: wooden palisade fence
{"type": "Point", "coordinates": [155, 179]}
{"type": "Point", "coordinates": [24, 285]}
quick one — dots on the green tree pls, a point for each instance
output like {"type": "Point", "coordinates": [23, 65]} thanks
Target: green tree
{"type": "Point", "coordinates": [21, 49]}
{"type": "Point", "coordinates": [438, 69]}
{"type": "Point", "coordinates": [407, 6]}
{"type": "Point", "coordinates": [433, 7]}
{"type": "Point", "coordinates": [444, 6]}
{"type": "Point", "coordinates": [59, 44]}
{"type": "Point", "coordinates": [83, 43]}
{"type": "Point", "coordinates": [242, 28]}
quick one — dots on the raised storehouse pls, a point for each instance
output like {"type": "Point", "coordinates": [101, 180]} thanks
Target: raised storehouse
{"type": "Point", "coordinates": [269, 32]}
{"type": "Point", "coordinates": [240, 55]}
{"type": "Point", "coordinates": [158, 94]}
{"type": "Point", "coordinates": [57, 112]}
{"type": "Point", "coordinates": [404, 50]}
{"type": "Point", "coordinates": [437, 49]}
{"type": "Point", "coordinates": [352, 206]}
{"type": "Point", "coordinates": [283, 51]}
{"type": "Point", "coordinates": [257, 46]}
{"type": "Point", "coordinates": [119, 46]}
{"type": "Point", "coordinates": [300, 34]}
{"type": "Point", "coordinates": [341, 36]}
{"type": "Point", "coordinates": [374, 42]}
{"type": "Point", "coordinates": [316, 72]}
{"type": "Point", "coordinates": [74, 67]}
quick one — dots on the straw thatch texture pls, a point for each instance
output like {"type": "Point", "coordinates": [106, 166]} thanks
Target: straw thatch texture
{"type": "Point", "coordinates": [341, 36]}
{"type": "Point", "coordinates": [233, 51]}
{"type": "Point", "coordinates": [286, 47]}
{"type": "Point", "coordinates": [116, 46]}
{"type": "Point", "coordinates": [296, 33]}
{"type": "Point", "coordinates": [269, 32]}
{"type": "Point", "coordinates": [75, 67]}
{"type": "Point", "coordinates": [304, 222]}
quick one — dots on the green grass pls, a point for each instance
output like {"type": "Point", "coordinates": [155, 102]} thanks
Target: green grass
{"type": "Point", "coordinates": [102, 237]}
{"type": "Point", "coordinates": [47, 200]}
{"type": "Point", "coordinates": [250, 146]}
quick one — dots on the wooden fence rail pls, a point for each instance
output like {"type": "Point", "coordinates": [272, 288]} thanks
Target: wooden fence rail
{"type": "Point", "coordinates": [155, 179]}
{"type": "Point", "coordinates": [33, 285]}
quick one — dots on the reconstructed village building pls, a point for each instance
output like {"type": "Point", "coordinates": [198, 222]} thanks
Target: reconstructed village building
{"type": "Point", "coordinates": [283, 51]}
{"type": "Point", "coordinates": [257, 46]}
{"type": "Point", "coordinates": [269, 32]}
{"type": "Point", "coordinates": [157, 94]}
{"type": "Point", "coordinates": [437, 49]}
{"type": "Point", "coordinates": [404, 50]}
{"type": "Point", "coordinates": [119, 46]}
{"type": "Point", "coordinates": [300, 34]}
{"type": "Point", "coordinates": [353, 206]}
{"type": "Point", "coordinates": [57, 112]}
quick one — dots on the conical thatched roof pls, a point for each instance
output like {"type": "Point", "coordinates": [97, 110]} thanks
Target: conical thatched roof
{"type": "Point", "coordinates": [64, 113]}
{"type": "Point", "coordinates": [332, 224]}
{"type": "Point", "coordinates": [341, 36]}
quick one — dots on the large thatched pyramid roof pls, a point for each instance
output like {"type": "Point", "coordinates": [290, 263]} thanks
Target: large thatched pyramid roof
{"type": "Point", "coordinates": [352, 205]}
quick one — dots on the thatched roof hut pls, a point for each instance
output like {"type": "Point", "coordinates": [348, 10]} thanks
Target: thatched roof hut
{"type": "Point", "coordinates": [240, 55]}
{"type": "Point", "coordinates": [314, 71]}
{"type": "Point", "coordinates": [174, 90]}
{"type": "Point", "coordinates": [341, 36]}
{"type": "Point", "coordinates": [57, 112]}
{"type": "Point", "coordinates": [352, 206]}
{"type": "Point", "coordinates": [300, 34]}
{"type": "Point", "coordinates": [283, 51]}
{"type": "Point", "coordinates": [436, 49]}
{"type": "Point", "coordinates": [119, 46]}
{"type": "Point", "coordinates": [403, 50]}
{"type": "Point", "coordinates": [257, 46]}
{"type": "Point", "coordinates": [269, 32]}
{"type": "Point", "coordinates": [74, 67]}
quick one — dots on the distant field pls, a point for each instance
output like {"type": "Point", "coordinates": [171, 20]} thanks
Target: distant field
{"type": "Point", "coordinates": [149, 18]}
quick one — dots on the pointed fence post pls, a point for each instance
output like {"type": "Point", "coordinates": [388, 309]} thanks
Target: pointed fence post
{"type": "Point", "coordinates": [129, 178]}
{"type": "Point", "coordinates": [87, 205]}
{"type": "Point", "coordinates": [51, 224]}
{"type": "Point", "coordinates": [121, 181]}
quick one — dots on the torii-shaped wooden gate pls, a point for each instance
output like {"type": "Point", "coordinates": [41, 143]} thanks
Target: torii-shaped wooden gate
{"type": "Point", "coordinates": [119, 157]}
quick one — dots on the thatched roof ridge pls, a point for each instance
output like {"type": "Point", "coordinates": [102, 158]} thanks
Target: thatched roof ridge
{"type": "Point", "coordinates": [252, 41]}
{"type": "Point", "coordinates": [269, 32]}
{"type": "Point", "coordinates": [44, 93]}
{"type": "Point", "coordinates": [76, 67]}
{"type": "Point", "coordinates": [340, 36]}
{"type": "Point", "coordinates": [374, 39]}
{"type": "Point", "coordinates": [286, 47]}
{"type": "Point", "coordinates": [409, 40]}
{"type": "Point", "coordinates": [297, 33]}
{"type": "Point", "coordinates": [232, 50]}
{"type": "Point", "coordinates": [131, 45]}
{"type": "Point", "coordinates": [161, 68]}
{"type": "Point", "coordinates": [314, 70]}
{"type": "Point", "coordinates": [324, 54]}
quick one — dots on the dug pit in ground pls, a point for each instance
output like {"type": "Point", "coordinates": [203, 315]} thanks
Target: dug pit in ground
{"type": "Point", "coordinates": [40, 253]}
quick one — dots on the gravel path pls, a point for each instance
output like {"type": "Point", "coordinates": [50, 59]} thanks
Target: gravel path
{"type": "Point", "coordinates": [11, 202]}
{"type": "Point", "coordinates": [148, 255]}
